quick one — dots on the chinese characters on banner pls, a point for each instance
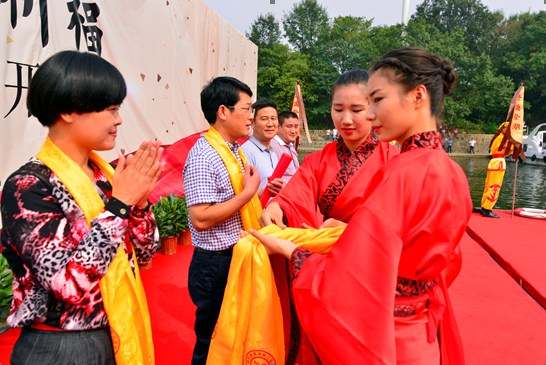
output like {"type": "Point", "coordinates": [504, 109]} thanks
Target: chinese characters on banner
{"type": "Point", "coordinates": [86, 24]}
{"type": "Point", "coordinates": [92, 34]}
{"type": "Point", "coordinates": [516, 126]}
{"type": "Point", "coordinates": [166, 51]}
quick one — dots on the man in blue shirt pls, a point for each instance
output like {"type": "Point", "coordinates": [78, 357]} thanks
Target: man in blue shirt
{"type": "Point", "coordinates": [213, 207]}
{"type": "Point", "coordinates": [258, 149]}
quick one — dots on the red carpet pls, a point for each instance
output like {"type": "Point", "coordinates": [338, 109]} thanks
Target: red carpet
{"type": "Point", "coordinates": [519, 246]}
{"type": "Point", "coordinates": [171, 310]}
{"type": "Point", "coordinates": [499, 322]}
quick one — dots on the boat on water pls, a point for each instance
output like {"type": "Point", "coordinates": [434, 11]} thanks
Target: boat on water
{"type": "Point", "coordinates": [534, 147]}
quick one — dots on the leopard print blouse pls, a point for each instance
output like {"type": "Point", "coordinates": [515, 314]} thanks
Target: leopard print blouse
{"type": "Point", "coordinates": [56, 258]}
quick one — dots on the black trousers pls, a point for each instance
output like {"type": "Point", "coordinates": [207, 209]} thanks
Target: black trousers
{"type": "Point", "coordinates": [35, 347]}
{"type": "Point", "coordinates": [471, 149]}
{"type": "Point", "coordinates": [207, 279]}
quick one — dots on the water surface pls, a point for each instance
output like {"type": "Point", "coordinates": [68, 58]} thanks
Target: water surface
{"type": "Point", "coordinates": [530, 186]}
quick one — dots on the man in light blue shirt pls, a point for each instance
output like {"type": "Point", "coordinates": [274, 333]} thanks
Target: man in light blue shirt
{"type": "Point", "coordinates": [258, 150]}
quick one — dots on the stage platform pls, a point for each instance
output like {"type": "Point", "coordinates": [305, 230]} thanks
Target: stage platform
{"type": "Point", "coordinates": [499, 322]}
{"type": "Point", "coordinates": [518, 244]}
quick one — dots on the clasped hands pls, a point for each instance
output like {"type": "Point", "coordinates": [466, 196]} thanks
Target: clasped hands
{"type": "Point", "coordinates": [136, 175]}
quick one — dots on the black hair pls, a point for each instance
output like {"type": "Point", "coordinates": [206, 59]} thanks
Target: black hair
{"type": "Point", "coordinates": [221, 91]}
{"type": "Point", "coordinates": [71, 81]}
{"type": "Point", "coordinates": [353, 77]}
{"type": "Point", "coordinates": [263, 103]}
{"type": "Point", "coordinates": [287, 114]}
{"type": "Point", "coordinates": [411, 67]}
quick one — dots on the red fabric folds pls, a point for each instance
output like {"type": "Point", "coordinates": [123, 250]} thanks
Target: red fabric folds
{"type": "Point", "coordinates": [413, 216]}
{"type": "Point", "coordinates": [299, 198]}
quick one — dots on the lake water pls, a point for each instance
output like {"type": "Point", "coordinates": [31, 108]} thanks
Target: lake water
{"type": "Point", "coordinates": [530, 186]}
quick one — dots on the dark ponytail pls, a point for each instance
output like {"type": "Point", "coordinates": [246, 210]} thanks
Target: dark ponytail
{"type": "Point", "coordinates": [411, 67]}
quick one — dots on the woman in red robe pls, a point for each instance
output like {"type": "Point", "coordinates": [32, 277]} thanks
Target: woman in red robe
{"type": "Point", "coordinates": [379, 296]}
{"type": "Point", "coordinates": [328, 186]}
{"type": "Point", "coordinates": [329, 182]}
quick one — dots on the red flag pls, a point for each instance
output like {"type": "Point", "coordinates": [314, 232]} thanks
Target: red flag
{"type": "Point", "coordinates": [299, 108]}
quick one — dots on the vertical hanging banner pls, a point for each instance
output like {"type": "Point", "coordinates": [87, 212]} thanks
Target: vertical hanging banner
{"type": "Point", "coordinates": [166, 50]}
{"type": "Point", "coordinates": [299, 108]}
{"type": "Point", "coordinates": [514, 133]}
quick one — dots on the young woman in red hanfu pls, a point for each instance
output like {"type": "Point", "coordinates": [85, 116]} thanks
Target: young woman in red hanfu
{"type": "Point", "coordinates": [380, 296]}
{"type": "Point", "coordinates": [327, 189]}
{"type": "Point", "coordinates": [329, 182]}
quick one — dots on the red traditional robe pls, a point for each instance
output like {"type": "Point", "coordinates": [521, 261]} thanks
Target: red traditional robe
{"type": "Point", "coordinates": [331, 182]}
{"type": "Point", "coordinates": [379, 296]}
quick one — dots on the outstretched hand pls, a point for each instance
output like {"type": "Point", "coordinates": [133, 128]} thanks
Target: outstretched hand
{"type": "Point", "coordinates": [273, 245]}
{"type": "Point", "coordinates": [135, 176]}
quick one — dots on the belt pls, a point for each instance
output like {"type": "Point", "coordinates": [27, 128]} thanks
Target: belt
{"type": "Point", "coordinates": [227, 252]}
{"type": "Point", "coordinates": [498, 155]}
{"type": "Point", "coordinates": [44, 327]}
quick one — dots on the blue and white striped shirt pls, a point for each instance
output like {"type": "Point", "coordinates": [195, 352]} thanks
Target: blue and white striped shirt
{"type": "Point", "coordinates": [206, 180]}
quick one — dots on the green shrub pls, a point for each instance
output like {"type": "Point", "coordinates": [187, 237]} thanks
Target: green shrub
{"type": "Point", "coordinates": [171, 215]}
{"type": "Point", "coordinates": [6, 294]}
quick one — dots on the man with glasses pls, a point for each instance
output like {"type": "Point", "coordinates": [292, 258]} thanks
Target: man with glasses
{"type": "Point", "coordinates": [215, 220]}
{"type": "Point", "coordinates": [258, 150]}
{"type": "Point", "coordinates": [283, 142]}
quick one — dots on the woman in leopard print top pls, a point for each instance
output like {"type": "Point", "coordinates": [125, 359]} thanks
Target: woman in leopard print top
{"type": "Point", "coordinates": [57, 259]}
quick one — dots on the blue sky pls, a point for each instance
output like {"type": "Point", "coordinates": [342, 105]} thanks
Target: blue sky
{"type": "Point", "coordinates": [241, 13]}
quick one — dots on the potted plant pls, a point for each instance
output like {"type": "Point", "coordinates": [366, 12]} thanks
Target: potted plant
{"type": "Point", "coordinates": [169, 214]}
{"type": "Point", "coordinates": [184, 235]}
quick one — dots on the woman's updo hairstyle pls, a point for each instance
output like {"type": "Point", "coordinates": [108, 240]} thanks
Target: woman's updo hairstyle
{"type": "Point", "coordinates": [353, 77]}
{"type": "Point", "coordinates": [411, 67]}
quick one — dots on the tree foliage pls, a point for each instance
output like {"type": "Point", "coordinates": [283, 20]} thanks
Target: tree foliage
{"type": "Point", "coordinates": [471, 16]}
{"type": "Point", "coordinates": [265, 31]}
{"type": "Point", "coordinates": [491, 56]}
{"type": "Point", "coordinates": [304, 25]}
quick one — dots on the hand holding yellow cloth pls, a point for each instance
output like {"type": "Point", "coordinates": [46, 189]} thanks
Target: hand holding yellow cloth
{"type": "Point", "coordinates": [250, 326]}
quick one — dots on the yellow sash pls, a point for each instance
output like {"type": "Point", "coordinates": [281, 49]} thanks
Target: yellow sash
{"type": "Point", "coordinates": [251, 211]}
{"type": "Point", "coordinates": [122, 291]}
{"type": "Point", "coordinates": [250, 326]}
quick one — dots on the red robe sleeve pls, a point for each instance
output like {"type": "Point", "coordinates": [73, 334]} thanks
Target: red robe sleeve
{"type": "Point", "coordinates": [410, 222]}
{"type": "Point", "coordinates": [298, 199]}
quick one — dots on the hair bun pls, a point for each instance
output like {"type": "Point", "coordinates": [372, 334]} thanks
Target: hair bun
{"type": "Point", "coordinates": [448, 76]}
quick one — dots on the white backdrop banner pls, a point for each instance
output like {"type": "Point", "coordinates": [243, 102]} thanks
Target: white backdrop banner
{"type": "Point", "coordinates": [166, 50]}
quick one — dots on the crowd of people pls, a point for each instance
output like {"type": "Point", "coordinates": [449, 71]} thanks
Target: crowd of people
{"type": "Point", "coordinates": [75, 228]}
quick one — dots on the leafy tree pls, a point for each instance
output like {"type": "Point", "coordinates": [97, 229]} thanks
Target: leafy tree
{"type": "Point", "coordinates": [304, 24]}
{"type": "Point", "coordinates": [278, 70]}
{"type": "Point", "coordinates": [347, 46]}
{"type": "Point", "coordinates": [521, 55]}
{"type": "Point", "coordinates": [265, 31]}
{"type": "Point", "coordinates": [471, 16]}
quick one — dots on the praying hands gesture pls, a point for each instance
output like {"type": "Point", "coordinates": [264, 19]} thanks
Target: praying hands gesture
{"type": "Point", "coordinates": [136, 175]}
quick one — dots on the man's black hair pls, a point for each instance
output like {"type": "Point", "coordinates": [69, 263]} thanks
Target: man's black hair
{"type": "Point", "coordinates": [263, 103]}
{"type": "Point", "coordinates": [287, 114]}
{"type": "Point", "coordinates": [71, 81]}
{"type": "Point", "coordinates": [221, 91]}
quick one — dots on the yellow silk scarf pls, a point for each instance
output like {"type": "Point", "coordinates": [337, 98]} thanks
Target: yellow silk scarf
{"type": "Point", "coordinates": [122, 291]}
{"type": "Point", "coordinates": [250, 326]}
{"type": "Point", "coordinates": [251, 211]}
